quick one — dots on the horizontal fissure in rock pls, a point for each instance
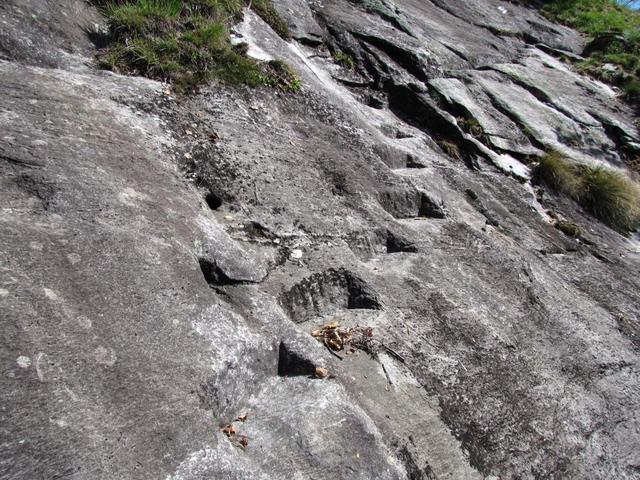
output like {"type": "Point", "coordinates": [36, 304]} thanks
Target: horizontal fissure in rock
{"type": "Point", "coordinates": [214, 275]}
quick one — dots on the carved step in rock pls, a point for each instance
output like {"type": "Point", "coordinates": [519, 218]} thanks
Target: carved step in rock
{"type": "Point", "coordinates": [326, 292]}
{"type": "Point", "coordinates": [404, 202]}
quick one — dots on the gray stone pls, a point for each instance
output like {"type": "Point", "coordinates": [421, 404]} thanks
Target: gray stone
{"type": "Point", "coordinates": [505, 349]}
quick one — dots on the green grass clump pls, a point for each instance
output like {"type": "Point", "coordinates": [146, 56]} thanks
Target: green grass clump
{"type": "Point", "coordinates": [593, 16]}
{"type": "Point", "coordinates": [609, 195]}
{"type": "Point", "coordinates": [185, 42]}
{"type": "Point", "coordinates": [142, 16]}
{"type": "Point", "coordinates": [281, 75]}
{"type": "Point", "coordinates": [471, 126]}
{"type": "Point", "coordinates": [631, 89]}
{"type": "Point", "coordinates": [617, 29]}
{"type": "Point", "coordinates": [344, 59]}
{"type": "Point", "coordinates": [266, 11]}
{"type": "Point", "coordinates": [450, 148]}
{"type": "Point", "coordinates": [554, 170]}
{"type": "Point", "coordinates": [570, 229]}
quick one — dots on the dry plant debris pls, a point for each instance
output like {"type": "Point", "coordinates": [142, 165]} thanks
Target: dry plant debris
{"type": "Point", "coordinates": [232, 434]}
{"type": "Point", "coordinates": [337, 338]}
{"type": "Point", "coordinates": [229, 430]}
{"type": "Point", "coordinates": [350, 339]}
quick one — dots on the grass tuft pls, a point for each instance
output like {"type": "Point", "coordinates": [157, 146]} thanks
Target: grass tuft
{"type": "Point", "coordinates": [610, 196]}
{"type": "Point", "coordinates": [593, 16]}
{"type": "Point", "coordinates": [185, 42]}
{"type": "Point", "coordinates": [450, 148]}
{"type": "Point", "coordinates": [570, 229]}
{"type": "Point", "coordinates": [471, 126]}
{"type": "Point", "coordinates": [266, 11]}
{"type": "Point", "coordinates": [344, 59]}
{"type": "Point", "coordinates": [554, 170]}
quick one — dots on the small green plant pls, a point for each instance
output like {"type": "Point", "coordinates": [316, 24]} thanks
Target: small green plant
{"type": "Point", "coordinates": [344, 59]}
{"type": "Point", "coordinates": [471, 126]}
{"type": "Point", "coordinates": [266, 11]}
{"type": "Point", "coordinates": [281, 75]}
{"type": "Point", "coordinates": [609, 195]}
{"type": "Point", "coordinates": [450, 149]}
{"type": "Point", "coordinates": [631, 89]}
{"type": "Point", "coordinates": [570, 229]}
{"type": "Point", "coordinates": [185, 42]}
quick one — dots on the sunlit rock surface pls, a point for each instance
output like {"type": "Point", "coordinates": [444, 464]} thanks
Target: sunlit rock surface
{"type": "Point", "coordinates": [163, 262]}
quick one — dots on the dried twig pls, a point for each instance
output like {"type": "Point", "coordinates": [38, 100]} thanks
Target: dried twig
{"type": "Point", "coordinates": [393, 353]}
{"type": "Point", "coordinates": [384, 369]}
{"type": "Point", "coordinates": [332, 352]}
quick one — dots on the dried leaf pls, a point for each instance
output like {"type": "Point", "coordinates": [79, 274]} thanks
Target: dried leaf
{"type": "Point", "coordinates": [333, 344]}
{"type": "Point", "coordinates": [244, 441]}
{"type": "Point", "coordinates": [229, 430]}
{"type": "Point", "coordinates": [322, 372]}
{"type": "Point", "coordinates": [242, 418]}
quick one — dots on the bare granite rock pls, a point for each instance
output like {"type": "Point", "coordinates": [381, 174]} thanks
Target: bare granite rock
{"type": "Point", "coordinates": [158, 289]}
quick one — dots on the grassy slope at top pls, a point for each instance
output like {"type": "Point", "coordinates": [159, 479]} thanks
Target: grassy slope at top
{"type": "Point", "coordinates": [187, 42]}
{"type": "Point", "coordinates": [616, 53]}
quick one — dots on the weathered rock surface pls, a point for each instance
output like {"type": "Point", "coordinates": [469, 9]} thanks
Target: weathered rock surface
{"type": "Point", "coordinates": [156, 284]}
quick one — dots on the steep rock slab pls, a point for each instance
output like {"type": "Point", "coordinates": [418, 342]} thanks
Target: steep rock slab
{"type": "Point", "coordinates": [508, 19]}
{"type": "Point", "coordinates": [514, 347]}
{"type": "Point", "coordinates": [52, 34]}
{"type": "Point", "coordinates": [473, 105]}
{"type": "Point", "coordinates": [117, 357]}
{"type": "Point", "coordinates": [481, 277]}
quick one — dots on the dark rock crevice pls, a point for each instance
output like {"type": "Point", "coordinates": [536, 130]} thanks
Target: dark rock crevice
{"type": "Point", "coordinates": [416, 109]}
{"type": "Point", "coordinates": [213, 201]}
{"type": "Point", "coordinates": [397, 243]}
{"type": "Point", "coordinates": [214, 275]}
{"type": "Point", "coordinates": [407, 59]}
{"type": "Point", "coordinates": [292, 363]}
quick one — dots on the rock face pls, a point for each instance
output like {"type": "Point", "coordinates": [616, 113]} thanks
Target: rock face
{"type": "Point", "coordinates": [163, 262]}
